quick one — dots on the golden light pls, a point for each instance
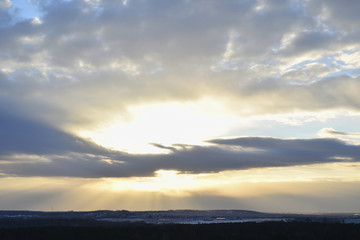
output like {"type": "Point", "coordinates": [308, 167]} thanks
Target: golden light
{"type": "Point", "coordinates": [173, 189]}
{"type": "Point", "coordinates": [173, 182]}
{"type": "Point", "coordinates": [163, 123]}
{"type": "Point", "coordinates": [169, 182]}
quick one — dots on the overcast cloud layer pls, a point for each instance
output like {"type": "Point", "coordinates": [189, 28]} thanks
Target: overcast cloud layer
{"type": "Point", "coordinates": [83, 62]}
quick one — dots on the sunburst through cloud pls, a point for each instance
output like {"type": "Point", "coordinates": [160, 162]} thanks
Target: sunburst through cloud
{"type": "Point", "coordinates": [180, 104]}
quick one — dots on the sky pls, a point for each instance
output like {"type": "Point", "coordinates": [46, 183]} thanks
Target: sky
{"type": "Point", "coordinates": [189, 104]}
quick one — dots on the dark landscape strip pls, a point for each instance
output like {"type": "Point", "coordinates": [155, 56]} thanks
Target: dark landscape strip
{"type": "Point", "coordinates": [138, 231]}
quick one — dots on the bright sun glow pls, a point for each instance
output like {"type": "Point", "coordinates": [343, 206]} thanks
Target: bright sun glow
{"type": "Point", "coordinates": [166, 181]}
{"type": "Point", "coordinates": [164, 123]}
{"type": "Point", "coordinates": [170, 123]}
{"type": "Point", "coordinates": [173, 182]}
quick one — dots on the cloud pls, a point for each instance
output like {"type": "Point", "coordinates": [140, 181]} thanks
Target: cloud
{"type": "Point", "coordinates": [308, 72]}
{"type": "Point", "coordinates": [5, 4]}
{"type": "Point", "coordinates": [308, 41]}
{"type": "Point", "coordinates": [341, 16]}
{"type": "Point", "coordinates": [85, 62]}
{"type": "Point", "coordinates": [333, 132]}
{"type": "Point", "coordinates": [23, 136]}
{"type": "Point", "coordinates": [351, 138]}
{"type": "Point", "coordinates": [53, 152]}
{"type": "Point", "coordinates": [273, 96]}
